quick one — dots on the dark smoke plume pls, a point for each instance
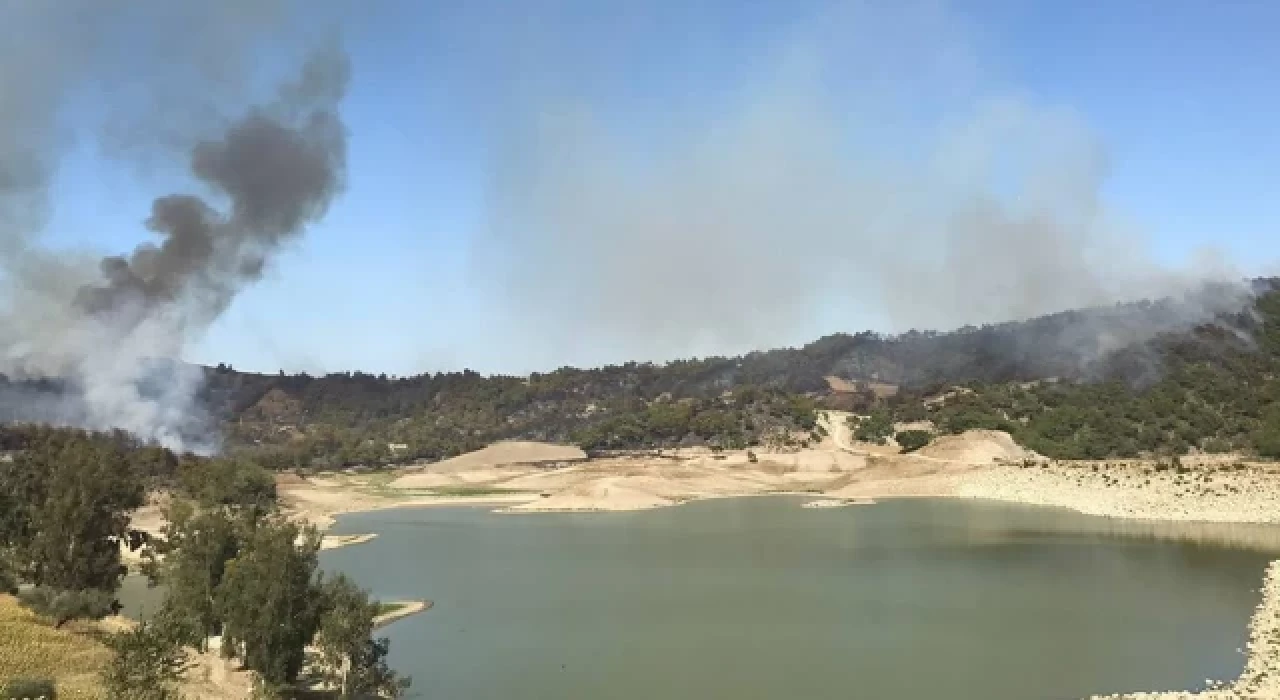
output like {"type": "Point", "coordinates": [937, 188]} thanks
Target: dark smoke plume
{"type": "Point", "coordinates": [111, 333]}
{"type": "Point", "coordinates": [278, 176]}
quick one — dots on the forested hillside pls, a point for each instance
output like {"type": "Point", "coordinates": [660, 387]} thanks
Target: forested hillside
{"type": "Point", "coordinates": [1125, 379]}
{"type": "Point", "coordinates": [1213, 389]}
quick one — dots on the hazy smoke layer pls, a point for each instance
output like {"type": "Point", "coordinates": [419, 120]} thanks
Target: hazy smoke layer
{"type": "Point", "coordinates": [871, 174]}
{"type": "Point", "coordinates": [112, 330]}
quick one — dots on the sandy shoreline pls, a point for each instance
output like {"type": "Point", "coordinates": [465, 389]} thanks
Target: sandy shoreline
{"type": "Point", "coordinates": [336, 541]}
{"type": "Point", "coordinates": [407, 608]}
{"type": "Point", "coordinates": [838, 502]}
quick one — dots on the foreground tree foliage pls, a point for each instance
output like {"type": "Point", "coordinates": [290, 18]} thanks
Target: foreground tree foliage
{"type": "Point", "coordinates": [266, 600]}
{"type": "Point", "coordinates": [196, 547]}
{"type": "Point", "coordinates": [231, 563]}
{"type": "Point", "coordinates": [148, 665]}
{"type": "Point", "coordinates": [352, 661]}
{"type": "Point", "coordinates": [68, 506]}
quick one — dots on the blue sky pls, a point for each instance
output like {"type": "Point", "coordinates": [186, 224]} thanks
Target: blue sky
{"type": "Point", "coordinates": [398, 278]}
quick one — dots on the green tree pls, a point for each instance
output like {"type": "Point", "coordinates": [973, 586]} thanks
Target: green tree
{"type": "Point", "coordinates": [352, 661]}
{"type": "Point", "coordinates": [234, 483]}
{"type": "Point", "coordinates": [62, 606]}
{"type": "Point", "coordinates": [1267, 438]}
{"type": "Point", "coordinates": [196, 548]}
{"type": "Point", "coordinates": [265, 599]}
{"type": "Point", "coordinates": [72, 505]}
{"type": "Point", "coordinates": [147, 664]}
{"type": "Point", "coordinates": [912, 440]}
{"type": "Point", "coordinates": [874, 427]}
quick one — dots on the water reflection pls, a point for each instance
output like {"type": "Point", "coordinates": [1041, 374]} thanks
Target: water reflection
{"type": "Point", "coordinates": [760, 598]}
{"type": "Point", "coordinates": [1064, 525]}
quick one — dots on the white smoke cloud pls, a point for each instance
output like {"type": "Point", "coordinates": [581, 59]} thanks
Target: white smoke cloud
{"type": "Point", "coordinates": [872, 170]}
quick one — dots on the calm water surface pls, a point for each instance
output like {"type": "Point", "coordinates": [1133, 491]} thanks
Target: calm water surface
{"type": "Point", "coordinates": [759, 598]}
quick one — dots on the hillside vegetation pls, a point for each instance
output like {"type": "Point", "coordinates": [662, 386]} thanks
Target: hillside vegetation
{"type": "Point", "coordinates": [1046, 381]}
{"type": "Point", "coordinates": [1114, 381]}
{"type": "Point", "coordinates": [1215, 390]}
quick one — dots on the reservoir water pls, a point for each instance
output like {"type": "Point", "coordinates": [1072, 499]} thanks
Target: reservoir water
{"type": "Point", "coordinates": [760, 598]}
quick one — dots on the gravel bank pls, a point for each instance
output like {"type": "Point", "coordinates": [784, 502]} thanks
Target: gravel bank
{"type": "Point", "coordinates": [1223, 493]}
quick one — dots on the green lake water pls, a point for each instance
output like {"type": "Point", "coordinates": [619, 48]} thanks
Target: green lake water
{"type": "Point", "coordinates": [760, 598]}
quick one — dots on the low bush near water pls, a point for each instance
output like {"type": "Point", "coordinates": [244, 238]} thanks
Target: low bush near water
{"type": "Point", "coordinates": [29, 689]}
{"type": "Point", "coordinates": [64, 606]}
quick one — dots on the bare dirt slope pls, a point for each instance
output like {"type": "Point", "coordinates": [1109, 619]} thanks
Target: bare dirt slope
{"type": "Point", "coordinates": [977, 447]}
{"type": "Point", "coordinates": [501, 454]}
{"type": "Point", "coordinates": [477, 467]}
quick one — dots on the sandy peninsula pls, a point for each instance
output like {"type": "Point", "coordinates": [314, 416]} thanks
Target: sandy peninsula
{"type": "Point", "coordinates": [403, 609]}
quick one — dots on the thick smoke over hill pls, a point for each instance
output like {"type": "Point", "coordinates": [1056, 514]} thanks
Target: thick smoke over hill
{"type": "Point", "coordinates": [871, 172]}
{"type": "Point", "coordinates": [111, 331]}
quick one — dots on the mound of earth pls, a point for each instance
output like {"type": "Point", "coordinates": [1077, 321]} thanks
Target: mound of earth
{"type": "Point", "coordinates": [603, 494]}
{"type": "Point", "coordinates": [506, 453]}
{"type": "Point", "coordinates": [841, 385]}
{"type": "Point", "coordinates": [976, 447]}
{"type": "Point", "coordinates": [484, 465]}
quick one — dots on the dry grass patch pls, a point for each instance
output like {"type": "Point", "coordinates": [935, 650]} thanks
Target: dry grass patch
{"type": "Point", "coordinates": [31, 648]}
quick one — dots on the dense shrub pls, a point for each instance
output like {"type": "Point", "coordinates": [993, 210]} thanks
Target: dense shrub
{"type": "Point", "coordinates": [912, 440]}
{"type": "Point", "coordinates": [875, 427]}
{"type": "Point", "coordinates": [148, 663]}
{"type": "Point", "coordinates": [8, 581]}
{"type": "Point", "coordinates": [64, 606]}
{"type": "Point", "coordinates": [29, 689]}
